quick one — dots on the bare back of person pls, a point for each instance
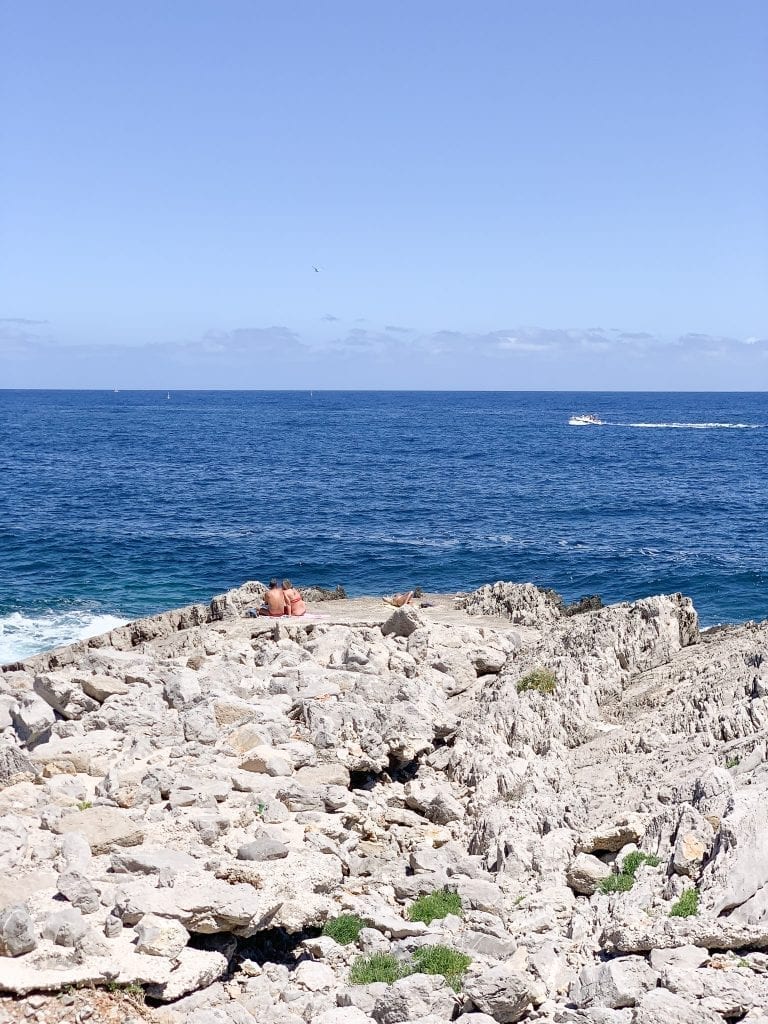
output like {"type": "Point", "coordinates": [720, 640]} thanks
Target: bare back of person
{"type": "Point", "coordinates": [274, 599]}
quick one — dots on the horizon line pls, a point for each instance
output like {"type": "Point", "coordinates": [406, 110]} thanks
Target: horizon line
{"type": "Point", "coordinates": [394, 390]}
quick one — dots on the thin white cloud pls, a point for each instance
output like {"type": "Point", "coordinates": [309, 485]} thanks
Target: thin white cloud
{"type": "Point", "coordinates": [277, 356]}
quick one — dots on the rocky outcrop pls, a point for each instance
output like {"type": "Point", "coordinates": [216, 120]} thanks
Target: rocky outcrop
{"type": "Point", "coordinates": [572, 812]}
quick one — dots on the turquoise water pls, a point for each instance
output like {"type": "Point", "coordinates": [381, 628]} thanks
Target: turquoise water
{"type": "Point", "coordinates": [115, 505]}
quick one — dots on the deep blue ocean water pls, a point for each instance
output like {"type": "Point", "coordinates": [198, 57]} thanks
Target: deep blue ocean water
{"type": "Point", "coordinates": [114, 505]}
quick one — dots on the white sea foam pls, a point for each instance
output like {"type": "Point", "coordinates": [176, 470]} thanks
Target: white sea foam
{"type": "Point", "coordinates": [22, 635]}
{"type": "Point", "coordinates": [691, 426]}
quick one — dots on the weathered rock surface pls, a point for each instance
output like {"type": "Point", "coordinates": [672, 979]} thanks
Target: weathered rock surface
{"type": "Point", "coordinates": [185, 802]}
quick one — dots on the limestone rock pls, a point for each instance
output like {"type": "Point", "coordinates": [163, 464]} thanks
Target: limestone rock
{"type": "Point", "coordinates": [263, 848]}
{"type": "Point", "coordinates": [194, 969]}
{"type": "Point", "coordinates": [585, 873]}
{"type": "Point", "coordinates": [17, 931]}
{"type": "Point", "coordinates": [100, 688]}
{"type": "Point", "coordinates": [64, 695]}
{"type": "Point", "coordinates": [680, 956]}
{"type": "Point", "coordinates": [403, 621]}
{"type": "Point", "coordinates": [65, 928]}
{"type": "Point", "coordinates": [314, 976]}
{"type": "Point", "coordinates": [521, 602]}
{"type": "Point", "coordinates": [78, 891]}
{"type": "Point", "coordinates": [148, 860]}
{"type": "Point", "coordinates": [615, 984]}
{"type": "Point", "coordinates": [610, 838]}
{"type": "Point", "coordinates": [500, 991]}
{"type": "Point", "coordinates": [739, 866]}
{"type": "Point", "coordinates": [267, 760]}
{"type": "Point", "coordinates": [659, 1006]}
{"type": "Point", "coordinates": [102, 827]}
{"type": "Point", "coordinates": [32, 718]}
{"type": "Point", "coordinates": [159, 936]}
{"type": "Point", "coordinates": [201, 903]}
{"type": "Point", "coordinates": [413, 998]}
{"type": "Point", "coordinates": [15, 766]}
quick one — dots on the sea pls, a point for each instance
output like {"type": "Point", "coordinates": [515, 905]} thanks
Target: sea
{"type": "Point", "coordinates": [118, 504]}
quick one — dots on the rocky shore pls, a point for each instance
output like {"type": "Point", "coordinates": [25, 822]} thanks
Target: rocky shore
{"type": "Point", "coordinates": [484, 810]}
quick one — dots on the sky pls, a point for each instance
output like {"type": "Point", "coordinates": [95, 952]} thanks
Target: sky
{"type": "Point", "coordinates": [495, 194]}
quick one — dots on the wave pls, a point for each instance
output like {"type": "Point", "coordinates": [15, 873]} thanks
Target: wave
{"type": "Point", "coordinates": [691, 426]}
{"type": "Point", "coordinates": [22, 635]}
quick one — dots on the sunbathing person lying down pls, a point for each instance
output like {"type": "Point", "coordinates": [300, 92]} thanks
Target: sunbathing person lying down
{"type": "Point", "coordinates": [398, 600]}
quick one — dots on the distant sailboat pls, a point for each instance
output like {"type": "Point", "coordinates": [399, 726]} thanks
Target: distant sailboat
{"type": "Point", "coordinates": [115, 390]}
{"type": "Point", "coordinates": [168, 395]}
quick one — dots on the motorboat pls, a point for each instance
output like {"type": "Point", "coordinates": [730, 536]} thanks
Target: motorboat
{"type": "Point", "coordinates": [587, 419]}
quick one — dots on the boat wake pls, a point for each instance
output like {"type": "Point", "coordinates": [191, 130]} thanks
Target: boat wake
{"type": "Point", "coordinates": [690, 426]}
{"type": "Point", "coordinates": [22, 635]}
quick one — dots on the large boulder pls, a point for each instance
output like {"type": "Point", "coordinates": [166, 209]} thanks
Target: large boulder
{"type": "Point", "coordinates": [17, 931]}
{"type": "Point", "coordinates": [160, 936]}
{"type": "Point", "coordinates": [403, 621]}
{"type": "Point", "coordinates": [585, 873]}
{"type": "Point", "coordinates": [103, 828]}
{"type": "Point", "coordinates": [15, 766]}
{"type": "Point", "coordinates": [616, 983]}
{"type": "Point", "coordinates": [523, 603]}
{"type": "Point", "coordinates": [201, 903]}
{"type": "Point", "coordinates": [413, 998]}
{"type": "Point", "coordinates": [32, 718]}
{"type": "Point", "coordinates": [500, 991]}
{"type": "Point", "coordinates": [64, 695]}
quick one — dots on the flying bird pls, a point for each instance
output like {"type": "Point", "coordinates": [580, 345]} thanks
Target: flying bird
{"type": "Point", "coordinates": [316, 269]}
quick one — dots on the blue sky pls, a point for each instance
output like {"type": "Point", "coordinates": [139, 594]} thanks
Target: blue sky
{"type": "Point", "coordinates": [497, 194]}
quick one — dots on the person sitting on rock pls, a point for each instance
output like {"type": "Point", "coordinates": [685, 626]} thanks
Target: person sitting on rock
{"type": "Point", "coordinates": [274, 601]}
{"type": "Point", "coordinates": [398, 600]}
{"type": "Point", "coordinates": [294, 602]}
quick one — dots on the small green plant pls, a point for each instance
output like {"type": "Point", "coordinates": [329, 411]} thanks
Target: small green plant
{"type": "Point", "coordinates": [378, 967]}
{"type": "Point", "coordinates": [731, 762]}
{"type": "Point", "coordinates": [636, 859]}
{"type": "Point", "coordinates": [436, 905]}
{"type": "Point", "coordinates": [84, 805]}
{"type": "Point", "coordinates": [131, 988]}
{"type": "Point", "coordinates": [261, 809]}
{"type": "Point", "coordinates": [519, 899]}
{"type": "Point", "coordinates": [344, 929]}
{"type": "Point", "coordinates": [623, 880]}
{"type": "Point", "coordinates": [541, 680]}
{"type": "Point", "coordinates": [442, 960]}
{"type": "Point", "coordinates": [687, 905]}
{"type": "Point", "coordinates": [617, 883]}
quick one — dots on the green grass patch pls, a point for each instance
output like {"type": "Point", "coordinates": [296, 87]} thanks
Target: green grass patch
{"type": "Point", "coordinates": [442, 960]}
{"type": "Point", "coordinates": [687, 905]}
{"type": "Point", "coordinates": [378, 967]}
{"type": "Point", "coordinates": [617, 883]}
{"type": "Point", "coordinates": [636, 859]}
{"type": "Point", "coordinates": [732, 762]}
{"type": "Point", "coordinates": [84, 805]}
{"type": "Point", "coordinates": [436, 905]}
{"type": "Point", "coordinates": [622, 881]}
{"type": "Point", "coordinates": [541, 680]}
{"type": "Point", "coordinates": [344, 929]}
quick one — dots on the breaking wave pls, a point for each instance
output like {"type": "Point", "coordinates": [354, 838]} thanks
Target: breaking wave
{"type": "Point", "coordinates": [22, 635]}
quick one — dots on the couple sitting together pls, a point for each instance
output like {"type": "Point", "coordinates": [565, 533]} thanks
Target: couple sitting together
{"type": "Point", "coordinates": [285, 600]}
